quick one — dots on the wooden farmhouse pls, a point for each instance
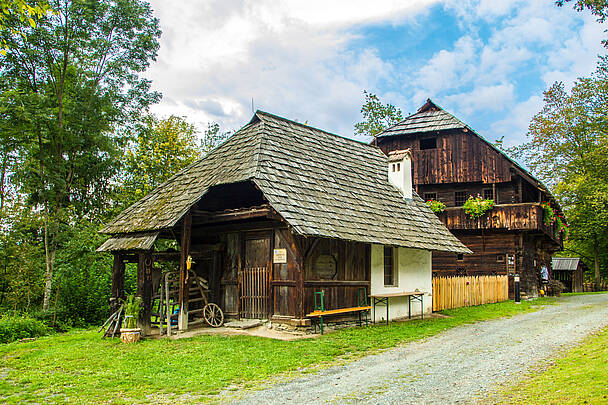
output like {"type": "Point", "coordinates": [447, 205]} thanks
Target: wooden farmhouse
{"type": "Point", "coordinates": [451, 162]}
{"type": "Point", "coordinates": [570, 271]}
{"type": "Point", "coordinates": [276, 213]}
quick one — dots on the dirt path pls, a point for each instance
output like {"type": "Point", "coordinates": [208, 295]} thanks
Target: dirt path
{"type": "Point", "coordinates": [457, 366]}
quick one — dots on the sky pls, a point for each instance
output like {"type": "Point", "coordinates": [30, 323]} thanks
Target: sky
{"type": "Point", "coordinates": [487, 62]}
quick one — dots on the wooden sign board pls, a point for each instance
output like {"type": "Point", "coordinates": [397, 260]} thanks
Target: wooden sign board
{"type": "Point", "coordinates": [279, 256]}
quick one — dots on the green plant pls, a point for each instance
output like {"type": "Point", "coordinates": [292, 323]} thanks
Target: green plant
{"type": "Point", "coordinates": [436, 206]}
{"type": "Point", "coordinates": [476, 207]}
{"type": "Point", "coordinates": [15, 327]}
{"type": "Point", "coordinates": [551, 216]}
{"type": "Point", "coordinates": [132, 308]}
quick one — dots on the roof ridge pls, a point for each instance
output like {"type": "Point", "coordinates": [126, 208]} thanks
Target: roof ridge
{"type": "Point", "coordinates": [258, 150]}
{"type": "Point", "coordinates": [311, 127]}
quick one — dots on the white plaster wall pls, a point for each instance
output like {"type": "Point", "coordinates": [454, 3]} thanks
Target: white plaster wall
{"type": "Point", "coordinates": [414, 273]}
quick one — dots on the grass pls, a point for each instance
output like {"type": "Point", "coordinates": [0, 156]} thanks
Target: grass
{"type": "Point", "coordinates": [579, 377]}
{"type": "Point", "coordinates": [80, 367]}
{"type": "Point", "coordinates": [585, 293]}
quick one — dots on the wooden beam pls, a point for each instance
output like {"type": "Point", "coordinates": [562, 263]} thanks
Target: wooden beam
{"type": "Point", "coordinates": [118, 282]}
{"type": "Point", "coordinates": [183, 272]}
{"type": "Point", "coordinates": [336, 283]}
{"type": "Point", "coordinates": [209, 217]}
{"type": "Point", "coordinates": [144, 290]}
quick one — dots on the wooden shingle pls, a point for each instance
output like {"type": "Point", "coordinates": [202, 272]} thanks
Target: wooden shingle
{"type": "Point", "coordinates": [322, 184]}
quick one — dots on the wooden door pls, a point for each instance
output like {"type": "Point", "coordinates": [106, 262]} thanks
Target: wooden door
{"type": "Point", "coordinates": [254, 283]}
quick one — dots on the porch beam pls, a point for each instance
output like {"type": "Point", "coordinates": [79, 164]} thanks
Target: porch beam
{"type": "Point", "coordinates": [118, 282]}
{"type": "Point", "coordinates": [184, 280]}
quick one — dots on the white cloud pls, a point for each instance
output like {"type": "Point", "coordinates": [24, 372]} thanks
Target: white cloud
{"type": "Point", "coordinates": [484, 73]}
{"type": "Point", "coordinates": [517, 119]}
{"type": "Point", "coordinates": [291, 57]}
{"type": "Point", "coordinates": [297, 59]}
{"type": "Point", "coordinates": [492, 98]}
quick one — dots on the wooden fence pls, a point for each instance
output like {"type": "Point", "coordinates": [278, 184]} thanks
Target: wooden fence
{"type": "Point", "coordinates": [590, 287]}
{"type": "Point", "coordinates": [464, 291]}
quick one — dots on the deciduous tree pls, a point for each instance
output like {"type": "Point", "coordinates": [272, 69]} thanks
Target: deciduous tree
{"type": "Point", "coordinates": [568, 149]}
{"type": "Point", "coordinates": [376, 116]}
{"type": "Point", "coordinates": [68, 84]}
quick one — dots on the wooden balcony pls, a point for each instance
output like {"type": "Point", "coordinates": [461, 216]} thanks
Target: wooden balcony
{"type": "Point", "coordinates": [524, 216]}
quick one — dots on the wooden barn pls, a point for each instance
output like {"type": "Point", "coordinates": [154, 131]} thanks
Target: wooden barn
{"type": "Point", "coordinates": [451, 162]}
{"type": "Point", "coordinates": [276, 213]}
{"type": "Point", "coordinates": [570, 271]}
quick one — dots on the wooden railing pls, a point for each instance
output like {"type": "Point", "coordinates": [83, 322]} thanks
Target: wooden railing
{"type": "Point", "coordinates": [464, 291]}
{"type": "Point", "coordinates": [523, 216]}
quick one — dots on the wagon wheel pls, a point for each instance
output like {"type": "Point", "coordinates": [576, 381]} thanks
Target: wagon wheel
{"type": "Point", "coordinates": [213, 315]}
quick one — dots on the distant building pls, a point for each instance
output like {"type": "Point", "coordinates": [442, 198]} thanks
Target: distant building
{"type": "Point", "coordinates": [452, 162]}
{"type": "Point", "coordinates": [570, 271]}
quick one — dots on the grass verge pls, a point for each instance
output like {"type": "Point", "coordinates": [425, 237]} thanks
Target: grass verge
{"type": "Point", "coordinates": [584, 293]}
{"type": "Point", "coordinates": [579, 377]}
{"type": "Point", "coordinates": [80, 367]}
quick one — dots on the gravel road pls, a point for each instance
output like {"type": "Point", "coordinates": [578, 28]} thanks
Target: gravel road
{"type": "Point", "coordinates": [459, 365]}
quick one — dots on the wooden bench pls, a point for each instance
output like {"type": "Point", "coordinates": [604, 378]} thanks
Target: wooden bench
{"type": "Point", "coordinates": [320, 310]}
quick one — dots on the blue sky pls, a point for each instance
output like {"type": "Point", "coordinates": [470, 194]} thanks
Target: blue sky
{"type": "Point", "coordinates": [485, 61]}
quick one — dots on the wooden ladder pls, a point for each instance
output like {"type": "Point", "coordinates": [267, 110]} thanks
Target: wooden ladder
{"type": "Point", "coordinates": [166, 301]}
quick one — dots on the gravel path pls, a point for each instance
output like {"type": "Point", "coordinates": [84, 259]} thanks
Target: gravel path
{"type": "Point", "coordinates": [456, 366]}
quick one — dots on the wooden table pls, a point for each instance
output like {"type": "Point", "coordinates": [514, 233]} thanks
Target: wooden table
{"type": "Point", "coordinates": [384, 299]}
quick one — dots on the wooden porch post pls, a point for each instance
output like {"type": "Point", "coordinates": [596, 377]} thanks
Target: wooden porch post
{"type": "Point", "coordinates": [118, 282]}
{"type": "Point", "coordinates": [144, 290]}
{"type": "Point", "coordinates": [184, 282]}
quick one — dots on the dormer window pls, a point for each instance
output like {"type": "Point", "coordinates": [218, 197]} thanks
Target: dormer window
{"type": "Point", "coordinates": [428, 143]}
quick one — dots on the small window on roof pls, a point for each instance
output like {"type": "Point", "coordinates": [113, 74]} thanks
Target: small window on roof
{"type": "Point", "coordinates": [428, 143]}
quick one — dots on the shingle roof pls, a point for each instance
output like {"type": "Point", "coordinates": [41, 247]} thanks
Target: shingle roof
{"type": "Point", "coordinates": [134, 241]}
{"type": "Point", "coordinates": [565, 263]}
{"type": "Point", "coordinates": [428, 118]}
{"type": "Point", "coordinates": [320, 183]}
{"type": "Point", "coordinates": [432, 118]}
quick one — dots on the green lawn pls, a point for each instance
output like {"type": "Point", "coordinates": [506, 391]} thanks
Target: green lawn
{"type": "Point", "coordinates": [81, 367]}
{"type": "Point", "coordinates": [580, 377]}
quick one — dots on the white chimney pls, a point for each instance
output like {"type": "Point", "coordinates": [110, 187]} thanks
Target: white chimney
{"type": "Point", "coordinates": [400, 171]}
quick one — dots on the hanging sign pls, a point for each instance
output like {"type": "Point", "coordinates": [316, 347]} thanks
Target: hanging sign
{"type": "Point", "coordinates": [279, 256]}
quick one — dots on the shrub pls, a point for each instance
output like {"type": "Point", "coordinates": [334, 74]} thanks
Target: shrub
{"type": "Point", "coordinates": [555, 287]}
{"type": "Point", "coordinates": [20, 327]}
{"type": "Point", "coordinates": [436, 206]}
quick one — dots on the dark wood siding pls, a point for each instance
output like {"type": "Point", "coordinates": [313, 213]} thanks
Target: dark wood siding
{"type": "Point", "coordinates": [460, 157]}
{"type": "Point", "coordinates": [340, 287]}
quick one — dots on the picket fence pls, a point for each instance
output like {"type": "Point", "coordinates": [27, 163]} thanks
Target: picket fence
{"type": "Point", "coordinates": [464, 291]}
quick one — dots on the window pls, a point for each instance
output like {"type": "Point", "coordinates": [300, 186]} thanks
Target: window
{"type": "Point", "coordinates": [460, 257]}
{"type": "Point", "coordinates": [393, 167]}
{"type": "Point", "coordinates": [460, 197]}
{"type": "Point", "coordinates": [428, 143]}
{"type": "Point", "coordinates": [398, 167]}
{"type": "Point", "coordinates": [389, 266]}
{"type": "Point", "coordinates": [430, 196]}
{"type": "Point", "coordinates": [500, 258]}
{"type": "Point", "coordinates": [488, 194]}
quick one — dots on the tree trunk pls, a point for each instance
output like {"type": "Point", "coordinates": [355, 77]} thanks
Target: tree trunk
{"type": "Point", "coordinates": [49, 253]}
{"type": "Point", "coordinates": [596, 265]}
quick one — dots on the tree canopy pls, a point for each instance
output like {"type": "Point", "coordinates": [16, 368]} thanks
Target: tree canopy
{"type": "Point", "coordinates": [68, 84]}
{"type": "Point", "coordinates": [567, 148]}
{"type": "Point", "coordinates": [377, 116]}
